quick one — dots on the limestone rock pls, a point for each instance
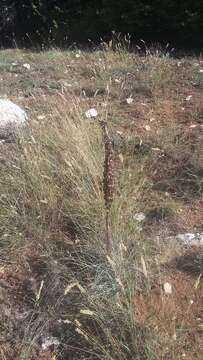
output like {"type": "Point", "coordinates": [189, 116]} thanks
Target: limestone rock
{"type": "Point", "coordinates": [12, 118]}
{"type": "Point", "coordinates": [190, 238]}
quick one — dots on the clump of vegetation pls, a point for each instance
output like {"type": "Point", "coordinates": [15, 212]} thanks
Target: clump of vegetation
{"type": "Point", "coordinates": [84, 270]}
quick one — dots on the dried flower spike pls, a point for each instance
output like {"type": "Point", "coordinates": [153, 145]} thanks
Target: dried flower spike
{"type": "Point", "coordinates": [108, 180]}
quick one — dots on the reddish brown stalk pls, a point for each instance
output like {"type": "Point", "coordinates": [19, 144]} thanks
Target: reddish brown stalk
{"type": "Point", "coordinates": [108, 181]}
{"type": "Point", "coordinates": [109, 243]}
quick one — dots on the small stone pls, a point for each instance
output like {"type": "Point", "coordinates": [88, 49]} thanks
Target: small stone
{"type": "Point", "coordinates": [147, 128]}
{"type": "Point", "coordinates": [186, 238]}
{"type": "Point", "coordinates": [27, 66]}
{"type": "Point", "coordinates": [129, 100]}
{"type": "Point", "coordinates": [139, 217]}
{"type": "Point", "coordinates": [66, 321]}
{"type": "Point", "coordinates": [188, 98]}
{"type": "Point", "coordinates": [156, 149]}
{"type": "Point", "coordinates": [200, 238]}
{"type": "Point", "coordinates": [49, 342]}
{"type": "Point", "coordinates": [91, 113]}
{"type": "Point", "coordinates": [167, 288]}
{"type": "Point", "coordinates": [41, 117]}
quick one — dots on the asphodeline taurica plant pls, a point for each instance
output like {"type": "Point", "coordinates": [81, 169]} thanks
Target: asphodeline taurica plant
{"type": "Point", "coordinates": [108, 181]}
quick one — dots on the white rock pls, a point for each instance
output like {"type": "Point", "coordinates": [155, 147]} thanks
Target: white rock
{"type": "Point", "coordinates": [129, 100]}
{"type": "Point", "coordinates": [186, 238]}
{"type": "Point", "coordinates": [200, 238]}
{"type": "Point", "coordinates": [41, 117]}
{"type": "Point", "coordinates": [66, 321]}
{"type": "Point", "coordinates": [147, 128]}
{"type": "Point", "coordinates": [201, 70]}
{"type": "Point", "coordinates": [167, 288]}
{"type": "Point", "coordinates": [27, 66]}
{"type": "Point", "coordinates": [119, 132]}
{"type": "Point", "coordinates": [50, 341]}
{"type": "Point", "coordinates": [156, 149]}
{"type": "Point", "coordinates": [91, 113]}
{"type": "Point", "coordinates": [139, 216]}
{"type": "Point", "coordinates": [191, 238]}
{"type": "Point", "coordinates": [12, 117]}
{"type": "Point", "coordinates": [188, 98]}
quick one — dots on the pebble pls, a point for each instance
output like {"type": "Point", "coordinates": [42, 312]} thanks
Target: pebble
{"type": "Point", "coordinates": [91, 113]}
{"type": "Point", "coordinates": [167, 288]}
{"type": "Point", "coordinates": [139, 217]}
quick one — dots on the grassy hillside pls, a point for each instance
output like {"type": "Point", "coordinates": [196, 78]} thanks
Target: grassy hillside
{"type": "Point", "coordinates": [57, 282]}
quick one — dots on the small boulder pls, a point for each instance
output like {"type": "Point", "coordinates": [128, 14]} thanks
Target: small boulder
{"type": "Point", "coordinates": [12, 118]}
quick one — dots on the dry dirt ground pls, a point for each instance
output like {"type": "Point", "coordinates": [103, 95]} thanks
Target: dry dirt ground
{"type": "Point", "coordinates": [162, 127]}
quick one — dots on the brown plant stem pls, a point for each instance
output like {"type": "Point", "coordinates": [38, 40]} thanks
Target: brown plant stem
{"type": "Point", "coordinates": [108, 182]}
{"type": "Point", "coordinates": [108, 233]}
